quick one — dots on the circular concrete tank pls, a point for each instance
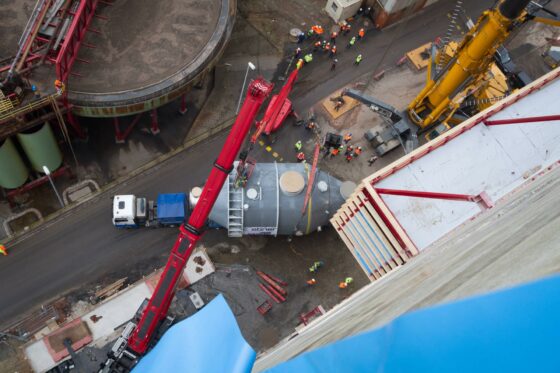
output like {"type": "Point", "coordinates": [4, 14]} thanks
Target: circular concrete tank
{"type": "Point", "coordinates": [273, 207]}
{"type": "Point", "coordinates": [40, 147]}
{"type": "Point", "coordinates": [13, 172]}
{"type": "Point", "coordinates": [148, 54]}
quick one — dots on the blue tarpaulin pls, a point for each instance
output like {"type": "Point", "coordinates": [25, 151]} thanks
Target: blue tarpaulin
{"type": "Point", "coordinates": [209, 341]}
{"type": "Point", "coordinates": [171, 208]}
{"type": "Point", "coordinates": [514, 330]}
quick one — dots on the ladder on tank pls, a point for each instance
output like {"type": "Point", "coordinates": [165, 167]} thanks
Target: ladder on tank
{"type": "Point", "coordinates": [235, 208]}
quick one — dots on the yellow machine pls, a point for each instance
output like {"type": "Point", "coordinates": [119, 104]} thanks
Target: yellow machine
{"type": "Point", "coordinates": [467, 71]}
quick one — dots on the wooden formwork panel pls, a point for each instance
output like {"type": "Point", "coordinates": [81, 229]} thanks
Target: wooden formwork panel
{"type": "Point", "coordinates": [410, 248]}
{"type": "Point", "coordinates": [336, 222]}
{"type": "Point", "coordinates": [367, 236]}
{"type": "Point", "coordinates": [358, 237]}
{"type": "Point", "coordinates": [372, 239]}
{"type": "Point", "coordinates": [349, 104]}
{"type": "Point", "coordinates": [371, 233]}
{"type": "Point", "coordinates": [417, 56]}
{"type": "Point", "coordinates": [361, 247]}
{"type": "Point", "coordinates": [400, 251]}
{"type": "Point", "coordinates": [374, 220]}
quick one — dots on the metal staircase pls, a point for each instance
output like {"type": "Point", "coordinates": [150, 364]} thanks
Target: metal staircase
{"type": "Point", "coordinates": [235, 208]}
{"type": "Point", "coordinates": [5, 103]}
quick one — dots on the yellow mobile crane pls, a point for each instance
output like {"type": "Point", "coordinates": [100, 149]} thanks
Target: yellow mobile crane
{"type": "Point", "coordinates": [457, 72]}
{"type": "Point", "coordinates": [467, 65]}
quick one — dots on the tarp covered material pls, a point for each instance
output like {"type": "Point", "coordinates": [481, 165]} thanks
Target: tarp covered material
{"type": "Point", "coordinates": [514, 330]}
{"type": "Point", "coordinates": [209, 341]}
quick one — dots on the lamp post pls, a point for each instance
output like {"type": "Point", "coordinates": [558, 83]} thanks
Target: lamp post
{"type": "Point", "coordinates": [249, 66]}
{"type": "Point", "coordinates": [48, 173]}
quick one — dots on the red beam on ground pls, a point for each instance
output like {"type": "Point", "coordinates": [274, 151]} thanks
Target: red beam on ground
{"type": "Point", "coordinates": [74, 38]}
{"type": "Point", "coordinates": [545, 118]}
{"type": "Point", "coordinates": [267, 292]}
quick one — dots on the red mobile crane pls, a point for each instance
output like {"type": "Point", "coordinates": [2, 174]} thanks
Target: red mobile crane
{"type": "Point", "coordinates": [156, 310]}
{"type": "Point", "coordinates": [278, 109]}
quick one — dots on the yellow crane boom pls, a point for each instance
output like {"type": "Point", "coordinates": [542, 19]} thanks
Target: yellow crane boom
{"type": "Point", "coordinates": [468, 65]}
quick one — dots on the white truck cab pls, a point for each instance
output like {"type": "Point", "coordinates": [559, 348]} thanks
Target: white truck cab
{"type": "Point", "coordinates": [129, 211]}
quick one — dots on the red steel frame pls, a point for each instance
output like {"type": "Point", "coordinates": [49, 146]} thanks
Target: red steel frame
{"type": "Point", "coordinates": [74, 38]}
{"type": "Point", "coordinates": [545, 118]}
{"type": "Point", "coordinates": [482, 197]}
{"type": "Point", "coordinates": [190, 233]}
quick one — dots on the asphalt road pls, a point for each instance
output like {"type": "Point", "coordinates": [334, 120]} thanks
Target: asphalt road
{"type": "Point", "coordinates": [84, 247]}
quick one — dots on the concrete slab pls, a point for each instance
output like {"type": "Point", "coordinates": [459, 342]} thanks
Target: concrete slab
{"type": "Point", "coordinates": [76, 331]}
{"type": "Point", "coordinates": [497, 159]}
{"type": "Point", "coordinates": [198, 266]}
{"type": "Point", "coordinates": [116, 311]}
{"type": "Point", "coordinates": [39, 357]}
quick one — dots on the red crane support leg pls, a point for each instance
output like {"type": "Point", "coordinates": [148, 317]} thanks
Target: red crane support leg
{"type": "Point", "coordinates": [183, 108]}
{"type": "Point", "coordinates": [155, 125]}
{"type": "Point", "coordinates": [75, 124]}
{"type": "Point", "coordinates": [190, 233]}
{"type": "Point", "coordinates": [119, 137]}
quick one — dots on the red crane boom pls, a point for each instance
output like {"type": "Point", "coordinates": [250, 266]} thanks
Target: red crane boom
{"type": "Point", "coordinates": [279, 107]}
{"type": "Point", "coordinates": [190, 233]}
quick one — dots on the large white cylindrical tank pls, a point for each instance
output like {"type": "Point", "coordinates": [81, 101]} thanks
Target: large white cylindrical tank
{"type": "Point", "coordinates": [271, 202]}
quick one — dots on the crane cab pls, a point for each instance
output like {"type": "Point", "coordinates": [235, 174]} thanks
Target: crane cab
{"type": "Point", "coordinates": [129, 211]}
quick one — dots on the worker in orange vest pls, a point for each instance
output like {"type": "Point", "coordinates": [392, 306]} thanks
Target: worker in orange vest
{"type": "Point", "coordinates": [361, 33]}
{"type": "Point", "coordinates": [333, 36]}
{"type": "Point", "coordinates": [301, 157]}
{"type": "Point", "coordinates": [335, 152]}
{"type": "Point", "coordinates": [357, 151]}
{"type": "Point", "coordinates": [347, 137]}
{"type": "Point", "coordinates": [311, 282]}
{"type": "Point", "coordinates": [3, 250]}
{"type": "Point", "coordinates": [317, 45]}
{"type": "Point", "coordinates": [333, 51]}
{"type": "Point", "coordinates": [299, 64]}
{"type": "Point", "coordinates": [59, 86]}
